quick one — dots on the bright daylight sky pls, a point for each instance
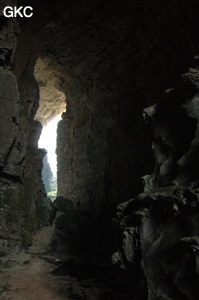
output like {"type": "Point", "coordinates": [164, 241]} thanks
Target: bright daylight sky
{"type": "Point", "coordinates": [48, 141]}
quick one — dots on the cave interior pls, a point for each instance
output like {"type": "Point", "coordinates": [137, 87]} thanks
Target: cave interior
{"type": "Point", "coordinates": [125, 76]}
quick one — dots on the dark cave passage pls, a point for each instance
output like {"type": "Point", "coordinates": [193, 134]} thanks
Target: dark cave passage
{"type": "Point", "coordinates": [124, 224]}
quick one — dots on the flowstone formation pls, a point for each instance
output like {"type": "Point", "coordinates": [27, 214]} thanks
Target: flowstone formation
{"type": "Point", "coordinates": [158, 231]}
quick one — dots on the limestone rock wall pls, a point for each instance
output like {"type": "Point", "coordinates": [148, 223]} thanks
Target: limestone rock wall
{"type": "Point", "coordinates": [117, 58]}
{"type": "Point", "coordinates": [23, 204]}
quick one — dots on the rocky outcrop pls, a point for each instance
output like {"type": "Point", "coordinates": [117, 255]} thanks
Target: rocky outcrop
{"type": "Point", "coordinates": [158, 230]}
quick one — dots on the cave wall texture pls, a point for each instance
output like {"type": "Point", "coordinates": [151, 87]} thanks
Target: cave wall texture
{"type": "Point", "coordinates": [119, 65]}
{"type": "Point", "coordinates": [23, 202]}
{"type": "Point", "coordinates": [159, 228]}
{"type": "Point", "coordinates": [119, 58]}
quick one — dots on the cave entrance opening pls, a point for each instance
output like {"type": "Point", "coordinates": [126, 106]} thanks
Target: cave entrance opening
{"type": "Point", "coordinates": [47, 141]}
{"type": "Point", "coordinates": [52, 104]}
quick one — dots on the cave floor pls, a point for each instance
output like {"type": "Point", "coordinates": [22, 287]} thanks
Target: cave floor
{"type": "Point", "coordinates": [32, 275]}
{"type": "Point", "coordinates": [27, 276]}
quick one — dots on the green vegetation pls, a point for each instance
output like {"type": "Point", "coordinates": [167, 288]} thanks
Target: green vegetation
{"type": "Point", "coordinates": [53, 189]}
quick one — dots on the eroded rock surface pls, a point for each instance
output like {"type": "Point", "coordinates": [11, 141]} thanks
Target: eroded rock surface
{"type": "Point", "coordinates": [52, 97]}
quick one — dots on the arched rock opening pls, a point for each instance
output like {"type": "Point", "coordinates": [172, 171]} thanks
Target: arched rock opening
{"type": "Point", "coordinates": [52, 103]}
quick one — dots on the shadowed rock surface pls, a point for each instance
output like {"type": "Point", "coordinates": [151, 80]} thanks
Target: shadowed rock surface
{"type": "Point", "coordinates": [159, 228]}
